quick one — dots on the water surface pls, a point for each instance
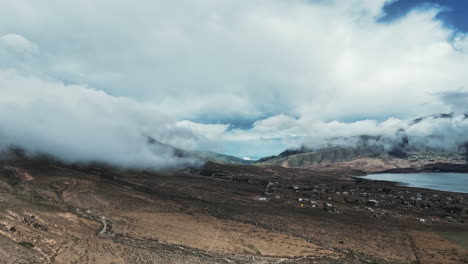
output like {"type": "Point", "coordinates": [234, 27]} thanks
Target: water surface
{"type": "Point", "coordinates": [443, 181]}
{"type": "Point", "coordinates": [460, 238]}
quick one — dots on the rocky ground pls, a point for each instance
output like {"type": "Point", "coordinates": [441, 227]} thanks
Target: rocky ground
{"type": "Point", "coordinates": [55, 213]}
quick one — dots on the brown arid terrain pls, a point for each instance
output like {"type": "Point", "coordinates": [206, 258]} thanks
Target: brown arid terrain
{"type": "Point", "coordinates": [56, 213]}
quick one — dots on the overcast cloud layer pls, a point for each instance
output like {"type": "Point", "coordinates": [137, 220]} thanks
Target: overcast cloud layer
{"type": "Point", "coordinates": [87, 80]}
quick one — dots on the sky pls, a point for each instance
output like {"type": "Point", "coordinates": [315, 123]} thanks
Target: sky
{"type": "Point", "coordinates": [452, 13]}
{"type": "Point", "coordinates": [90, 80]}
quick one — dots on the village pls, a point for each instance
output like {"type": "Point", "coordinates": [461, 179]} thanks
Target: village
{"type": "Point", "coordinates": [428, 205]}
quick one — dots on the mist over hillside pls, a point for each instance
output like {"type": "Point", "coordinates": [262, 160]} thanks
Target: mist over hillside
{"type": "Point", "coordinates": [435, 138]}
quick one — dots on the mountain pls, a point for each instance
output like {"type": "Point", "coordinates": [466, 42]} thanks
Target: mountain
{"type": "Point", "coordinates": [372, 153]}
{"type": "Point", "coordinates": [221, 158]}
{"type": "Point", "coordinates": [296, 158]}
{"type": "Point", "coordinates": [201, 155]}
{"type": "Point", "coordinates": [365, 159]}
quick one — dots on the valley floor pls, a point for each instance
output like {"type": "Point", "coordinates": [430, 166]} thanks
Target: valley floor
{"type": "Point", "coordinates": [52, 213]}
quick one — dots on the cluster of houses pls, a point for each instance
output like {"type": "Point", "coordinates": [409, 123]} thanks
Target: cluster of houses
{"type": "Point", "coordinates": [436, 205]}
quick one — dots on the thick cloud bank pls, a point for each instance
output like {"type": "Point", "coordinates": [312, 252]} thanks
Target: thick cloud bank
{"type": "Point", "coordinates": [445, 132]}
{"type": "Point", "coordinates": [89, 80]}
{"type": "Point", "coordinates": [79, 124]}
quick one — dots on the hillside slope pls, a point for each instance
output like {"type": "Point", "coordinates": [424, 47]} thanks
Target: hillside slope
{"type": "Point", "coordinates": [56, 213]}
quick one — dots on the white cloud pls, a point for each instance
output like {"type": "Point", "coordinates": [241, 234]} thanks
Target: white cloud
{"type": "Point", "coordinates": [78, 124]}
{"type": "Point", "coordinates": [218, 60]}
{"type": "Point", "coordinates": [327, 59]}
{"type": "Point", "coordinates": [18, 43]}
{"type": "Point", "coordinates": [433, 132]}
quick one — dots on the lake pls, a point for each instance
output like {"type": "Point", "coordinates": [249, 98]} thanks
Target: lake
{"type": "Point", "coordinates": [443, 181]}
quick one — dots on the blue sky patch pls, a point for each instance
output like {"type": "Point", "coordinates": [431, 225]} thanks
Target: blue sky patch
{"type": "Point", "coordinates": [454, 14]}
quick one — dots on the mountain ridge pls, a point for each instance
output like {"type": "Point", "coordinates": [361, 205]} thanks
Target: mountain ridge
{"type": "Point", "coordinates": [371, 153]}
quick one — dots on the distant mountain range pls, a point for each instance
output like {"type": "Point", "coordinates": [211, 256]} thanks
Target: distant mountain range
{"type": "Point", "coordinates": [201, 155]}
{"type": "Point", "coordinates": [367, 159]}
{"type": "Point", "coordinates": [363, 152]}
{"type": "Point", "coordinates": [372, 153]}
